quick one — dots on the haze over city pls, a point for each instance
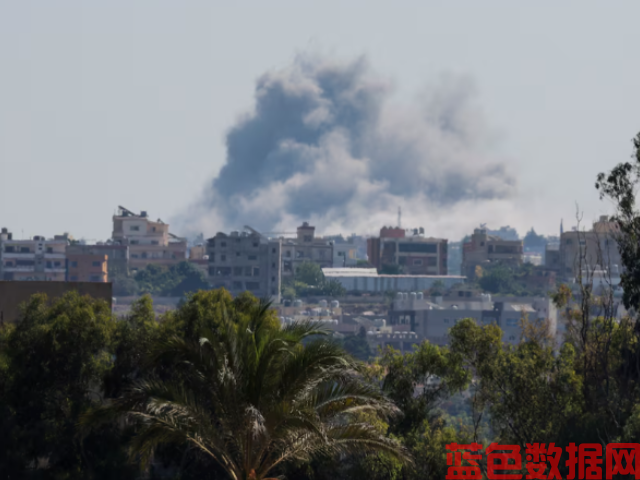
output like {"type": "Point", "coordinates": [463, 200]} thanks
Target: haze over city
{"type": "Point", "coordinates": [493, 114]}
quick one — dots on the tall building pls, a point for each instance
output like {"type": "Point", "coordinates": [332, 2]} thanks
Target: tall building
{"type": "Point", "coordinates": [245, 262]}
{"type": "Point", "coordinates": [306, 247]}
{"type": "Point", "coordinates": [483, 248]}
{"type": "Point", "coordinates": [412, 255]}
{"type": "Point", "coordinates": [33, 259]}
{"type": "Point", "coordinates": [149, 242]}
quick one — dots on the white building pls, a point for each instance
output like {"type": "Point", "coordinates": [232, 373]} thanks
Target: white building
{"type": "Point", "coordinates": [33, 259]}
{"type": "Point", "coordinates": [369, 280]}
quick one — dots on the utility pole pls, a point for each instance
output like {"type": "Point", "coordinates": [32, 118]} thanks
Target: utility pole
{"type": "Point", "coordinates": [399, 217]}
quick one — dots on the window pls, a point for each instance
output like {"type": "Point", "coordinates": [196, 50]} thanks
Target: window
{"type": "Point", "coordinates": [153, 229]}
{"type": "Point", "coordinates": [9, 264]}
{"type": "Point", "coordinates": [256, 271]}
{"type": "Point", "coordinates": [155, 242]}
{"type": "Point", "coordinates": [273, 279]}
{"type": "Point", "coordinates": [568, 242]}
{"type": "Point", "coordinates": [273, 265]}
{"type": "Point", "coordinates": [49, 265]}
{"type": "Point", "coordinates": [134, 228]}
{"type": "Point", "coordinates": [482, 244]}
{"type": "Point", "coordinates": [223, 258]}
{"type": "Point", "coordinates": [446, 320]}
{"type": "Point", "coordinates": [223, 271]}
{"type": "Point", "coordinates": [255, 244]}
{"type": "Point", "coordinates": [237, 271]}
{"type": "Point", "coordinates": [94, 278]}
{"type": "Point", "coordinates": [418, 247]}
{"type": "Point", "coordinates": [253, 257]}
{"type": "Point", "coordinates": [583, 242]}
{"type": "Point", "coordinates": [237, 285]}
{"type": "Point", "coordinates": [417, 262]}
{"type": "Point", "coordinates": [253, 286]}
{"type": "Point", "coordinates": [96, 264]}
{"type": "Point", "coordinates": [212, 257]}
{"type": "Point", "coordinates": [223, 244]}
{"type": "Point", "coordinates": [512, 322]}
{"type": "Point", "coordinates": [432, 261]}
{"type": "Point", "coordinates": [9, 249]}
{"type": "Point", "coordinates": [212, 271]}
{"type": "Point", "coordinates": [134, 242]}
{"type": "Point", "coordinates": [25, 263]}
{"type": "Point", "coordinates": [299, 254]}
{"type": "Point", "coordinates": [273, 250]}
{"type": "Point", "coordinates": [490, 248]}
{"type": "Point", "coordinates": [24, 249]}
{"type": "Point", "coordinates": [56, 264]}
{"type": "Point", "coordinates": [287, 253]}
{"type": "Point", "coordinates": [247, 271]}
{"type": "Point", "coordinates": [74, 278]}
{"type": "Point", "coordinates": [307, 238]}
{"type": "Point", "coordinates": [135, 255]}
{"type": "Point", "coordinates": [49, 250]}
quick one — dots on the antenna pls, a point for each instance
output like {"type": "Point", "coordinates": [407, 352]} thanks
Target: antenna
{"type": "Point", "coordinates": [399, 217]}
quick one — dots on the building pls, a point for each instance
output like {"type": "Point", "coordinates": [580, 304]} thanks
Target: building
{"type": "Point", "coordinates": [344, 255]}
{"type": "Point", "coordinates": [482, 249]}
{"type": "Point", "coordinates": [14, 294]}
{"type": "Point", "coordinates": [369, 280]}
{"type": "Point", "coordinates": [245, 261]}
{"type": "Point", "coordinates": [149, 242]}
{"type": "Point", "coordinates": [410, 255]}
{"type": "Point", "coordinates": [33, 259]}
{"type": "Point", "coordinates": [591, 250]}
{"type": "Point", "coordinates": [198, 257]}
{"type": "Point", "coordinates": [412, 313]}
{"type": "Point", "coordinates": [306, 247]}
{"type": "Point", "coordinates": [117, 255]}
{"type": "Point", "coordinates": [87, 268]}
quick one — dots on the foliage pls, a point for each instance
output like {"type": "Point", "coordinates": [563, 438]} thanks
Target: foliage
{"type": "Point", "coordinates": [533, 240]}
{"type": "Point", "coordinates": [309, 273]}
{"type": "Point", "coordinates": [357, 345]}
{"type": "Point", "coordinates": [505, 279]}
{"type": "Point", "coordinates": [391, 269]}
{"type": "Point", "coordinates": [249, 396]}
{"type": "Point", "coordinates": [175, 281]}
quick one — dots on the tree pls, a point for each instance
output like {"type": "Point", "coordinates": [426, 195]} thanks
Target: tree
{"type": "Point", "coordinates": [497, 279]}
{"type": "Point", "coordinates": [251, 397]}
{"type": "Point", "coordinates": [175, 281]}
{"type": "Point", "coordinates": [309, 273]}
{"type": "Point", "coordinates": [535, 241]}
{"type": "Point", "coordinates": [332, 288]}
{"type": "Point", "coordinates": [357, 345]}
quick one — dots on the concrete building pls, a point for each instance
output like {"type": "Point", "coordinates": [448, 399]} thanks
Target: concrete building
{"type": "Point", "coordinates": [245, 262]}
{"type": "Point", "coordinates": [117, 255]}
{"type": "Point", "coordinates": [306, 247]}
{"type": "Point", "coordinates": [578, 251]}
{"type": "Point", "coordinates": [413, 314]}
{"type": "Point", "coordinates": [33, 259]}
{"type": "Point", "coordinates": [344, 255]}
{"type": "Point", "coordinates": [484, 248]}
{"type": "Point", "coordinates": [198, 257]}
{"type": "Point", "coordinates": [369, 280]}
{"type": "Point", "coordinates": [412, 254]}
{"type": "Point", "coordinates": [87, 268]}
{"type": "Point", "coordinates": [14, 294]}
{"type": "Point", "coordinates": [149, 242]}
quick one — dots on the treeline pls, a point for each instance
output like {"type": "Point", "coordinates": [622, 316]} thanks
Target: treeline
{"type": "Point", "coordinates": [173, 281]}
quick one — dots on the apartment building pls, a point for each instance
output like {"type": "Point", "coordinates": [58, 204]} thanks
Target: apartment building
{"type": "Point", "coordinates": [581, 251]}
{"type": "Point", "coordinates": [149, 242]}
{"type": "Point", "coordinates": [412, 254]}
{"type": "Point", "coordinates": [87, 268]}
{"type": "Point", "coordinates": [117, 255]}
{"type": "Point", "coordinates": [484, 248]}
{"type": "Point", "coordinates": [306, 247]}
{"type": "Point", "coordinates": [33, 259]}
{"type": "Point", "coordinates": [245, 261]}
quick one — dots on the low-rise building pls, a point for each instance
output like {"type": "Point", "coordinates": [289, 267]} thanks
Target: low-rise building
{"type": "Point", "coordinates": [414, 314]}
{"type": "Point", "coordinates": [369, 280]}
{"type": "Point", "coordinates": [482, 249]}
{"type": "Point", "coordinates": [117, 255]}
{"type": "Point", "coordinates": [149, 242]}
{"type": "Point", "coordinates": [33, 259]}
{"type": "Point", "coordinates": [245, 261]}
{"type": "Point", "coordinates": [87, 268]}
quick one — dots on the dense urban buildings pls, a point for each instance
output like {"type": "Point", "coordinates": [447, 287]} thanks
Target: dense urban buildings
{"type": "Point", "coordinates": [245, 261]}
{"type": "Point", "coordinates": [149, 242]}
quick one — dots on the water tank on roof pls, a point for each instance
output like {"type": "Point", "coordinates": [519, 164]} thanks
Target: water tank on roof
{"type": "Point", "coordinates": [297, 303]}
{"type": "Point", "coordinates": [405, 296]}
{"type": "Point", "coordinates": [399, 296]}
{"type": "Point", "coordinates": [335, 304]}
{"type": "Point", "coordinates": [420, 296]}
{"type": "Point", "coordinates": [322, 303]}
{"type": "Point", "coordinates": [413, 295]}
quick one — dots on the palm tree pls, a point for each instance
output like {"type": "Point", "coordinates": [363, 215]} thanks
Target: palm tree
{"type": "Point", "coordinates": [250, 396]}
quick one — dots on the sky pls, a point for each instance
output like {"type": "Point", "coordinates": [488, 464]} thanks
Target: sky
{"type": "Point", "coordinates": [130, 103]}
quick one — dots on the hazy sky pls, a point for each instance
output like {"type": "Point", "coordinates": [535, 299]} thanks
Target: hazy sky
{"type": "Point", "coordinates": [128, 103]}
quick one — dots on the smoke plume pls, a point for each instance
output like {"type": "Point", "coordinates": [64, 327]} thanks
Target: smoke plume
{"type": "Point", "coordinates": [326, 143]}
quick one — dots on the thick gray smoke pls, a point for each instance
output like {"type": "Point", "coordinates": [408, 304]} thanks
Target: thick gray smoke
{"type": "Point", "coordinates": [326, 144]}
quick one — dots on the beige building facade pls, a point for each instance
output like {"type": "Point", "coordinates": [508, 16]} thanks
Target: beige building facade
{"type": "Point", "coordinates": [482, 249]}
{"type": "Point", "coordinates": [306, 247]}
{"type": "Point", "coordinates": [33, 259]}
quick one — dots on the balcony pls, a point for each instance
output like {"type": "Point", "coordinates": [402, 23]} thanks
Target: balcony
{"type": "Point", "coordinates": [17, 254]}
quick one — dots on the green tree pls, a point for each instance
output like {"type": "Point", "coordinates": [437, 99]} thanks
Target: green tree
{"type": "Point", "coordinates": [357, 345]}
{"type": "Point", "coordinates": [309, 273]}
{"type": "Point", "coordinates": [332, 288]}
{"type": "Point", "coordinates": [497, 279]}
{"type": "Point", "coordinates": [251, 397]}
